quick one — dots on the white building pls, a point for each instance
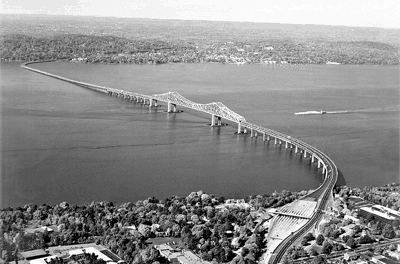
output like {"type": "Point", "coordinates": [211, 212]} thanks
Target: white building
{"type": "Point", "coordinates": [111, 258]}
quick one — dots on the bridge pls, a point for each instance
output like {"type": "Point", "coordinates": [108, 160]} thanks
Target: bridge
{"type": "Point", "coordinates": [297, 223]}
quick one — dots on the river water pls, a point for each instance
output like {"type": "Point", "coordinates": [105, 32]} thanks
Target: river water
{"type": "Point", "coordinates": [61, 142]}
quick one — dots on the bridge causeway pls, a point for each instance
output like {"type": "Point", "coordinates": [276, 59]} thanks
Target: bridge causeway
{"type": "Point", "coordinates": [219, 111]}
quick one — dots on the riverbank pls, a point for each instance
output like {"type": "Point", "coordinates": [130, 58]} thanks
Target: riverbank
{"type": "Point", "coordinates": [153, 41]}
{"type": "Point", "coordinates": [111, 49]}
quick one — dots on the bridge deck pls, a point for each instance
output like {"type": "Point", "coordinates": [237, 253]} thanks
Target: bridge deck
{"type": "Point", "coordinates": [295, 226]}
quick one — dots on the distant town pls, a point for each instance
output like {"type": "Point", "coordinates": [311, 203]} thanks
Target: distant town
{"type": "Point", "coordinates": [362, 226]}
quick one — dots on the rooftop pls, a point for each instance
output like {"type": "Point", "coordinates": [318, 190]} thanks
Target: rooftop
{"type": "Point", "coordinates": [382, 211]}
{"type": "Point", "coordinates": [184, 256]}
{"type": "Point", "coordinates": [41, 260]}
{"type": "Point", "coordinates": [32, 254]}
{"type": "Point", "coordinates": [105, 254]}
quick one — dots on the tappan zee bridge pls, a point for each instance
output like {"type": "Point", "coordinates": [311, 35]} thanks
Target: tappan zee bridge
{"type": "Point", "coordinates": [292, 221]}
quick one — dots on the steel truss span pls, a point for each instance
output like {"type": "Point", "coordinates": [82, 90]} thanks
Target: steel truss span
{"type": "Point", "coordinates": [217, 109]}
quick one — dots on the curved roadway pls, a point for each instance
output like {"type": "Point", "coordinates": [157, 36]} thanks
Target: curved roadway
{"type": "Point", "coordinates": [322, 193]}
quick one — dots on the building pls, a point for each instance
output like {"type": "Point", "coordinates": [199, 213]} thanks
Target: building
{"type": "Point", "coordinates": [350, 256]}
{"type": "Point", "coordinates": [38, 256]}
{"type": "Point", "coordinates": [34, 254]}
{"type": "Point", "coordinates": [381, 213]}
{"type": "Point", "coordinates": [379, 259]}
{"type": "Point", "coordinates": [179, 256]}
{"type": "Point", "coordinates": [352, 218]}
{"type": "Point", "coordinates": [394, 254]}
{"type": "Point", "coordinates": [105, 254]}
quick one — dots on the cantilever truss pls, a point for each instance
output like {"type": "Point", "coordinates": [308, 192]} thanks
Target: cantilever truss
{"type": "Point", "coordinates": [215, 108]}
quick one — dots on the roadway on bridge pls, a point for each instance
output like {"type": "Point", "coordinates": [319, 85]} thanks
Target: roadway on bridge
{"type": "Point", "coordinates": [304, 221]}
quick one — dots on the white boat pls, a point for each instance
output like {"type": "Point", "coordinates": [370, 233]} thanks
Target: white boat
{"type": "Point", "coordinates": [311, 113]}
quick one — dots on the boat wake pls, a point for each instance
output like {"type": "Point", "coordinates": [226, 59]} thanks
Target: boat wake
{"type": "Point", "coordinates": [370, 110]}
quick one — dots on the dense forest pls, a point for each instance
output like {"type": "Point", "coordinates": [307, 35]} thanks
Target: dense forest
{"type": "Point", "coordinates": [206, 224]}
{"type": "Point", "coordinates": [202, 222]}
{"type": "Point", "coordinates": [111, 49]}
{"type": "Point", "coordinates": [152, 41]}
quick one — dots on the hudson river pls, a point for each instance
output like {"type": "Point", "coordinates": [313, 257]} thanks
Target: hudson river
{"type": "Point", "coordinates": [61, 142]}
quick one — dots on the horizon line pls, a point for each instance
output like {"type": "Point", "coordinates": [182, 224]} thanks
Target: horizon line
{"type": "Point", "coordinates": [204, 20]}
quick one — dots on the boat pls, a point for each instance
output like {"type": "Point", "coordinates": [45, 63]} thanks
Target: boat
{"type": "Point", "coordinates": [311, 113]}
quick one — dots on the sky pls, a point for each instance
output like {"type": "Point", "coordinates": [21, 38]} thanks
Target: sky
{"type": "Point", "coordinates": [365, 13]}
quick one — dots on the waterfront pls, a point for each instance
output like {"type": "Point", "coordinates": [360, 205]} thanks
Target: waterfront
{"type": "Point", "coordinates": [77, 145]}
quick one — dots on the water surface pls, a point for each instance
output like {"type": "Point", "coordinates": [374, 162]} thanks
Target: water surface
{"type": "Point", "coordinates": [61, 142]}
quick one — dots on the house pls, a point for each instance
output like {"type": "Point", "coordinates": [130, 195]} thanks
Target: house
{"type": "Point", "coordinates": [38, 256]}
{"type": "Point", "coordinates": [44, 260]}
{"type": "Point", "coordinates": [179, 257]}
{"type": "Point", "coordinates": [394, 254]}
{"type": "Point", "coordinates": [379, 259]}
{"type": "Point", "coordinates": [350, 255]}
{"type": "Point", "coordinates": [352, 218]}
{"type": "Point", "coordinates": [105, 254]}
{"type": "Point", "coordinates": [381, 213]}
{"type": "Point", "coordinates": [360, 261]}
{"type": "Point", "coordinates": [34, 254]}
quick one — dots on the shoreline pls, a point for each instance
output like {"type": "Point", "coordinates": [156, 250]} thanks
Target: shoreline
{"type": "Point", "coordinates": [223, 63]}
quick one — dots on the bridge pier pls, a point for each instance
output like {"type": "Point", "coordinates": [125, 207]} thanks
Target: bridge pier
{"type": "Point", "coordinates": [219, 122]}
{"type": "Point", "coordinates": [215, 117]}
{"type": "Point", "coordinates": [312, 158]}
{"type": "Point", "coordinates": [286, 144]}
{"type": "Point", "coordinates": [171, 108]}
{"type": "Point", "coordinates": [251, 132]}
{"type": "Point", "coordinates": [239, 128]}
{"type": "Point", "coordinates": [296, 149]}
{"type": "Point", "coordinates": [276, 141]}
{"type": "Point", "coordinates": [319, 164]}
{"type": "Point", "coordinates": [305, 154]}
{"type": "Point", "coordinates": [264, 137]}
{"type": "Point", "coordinates": [245, 130]}
{"type": "Point", "coordinates": [255, 134]}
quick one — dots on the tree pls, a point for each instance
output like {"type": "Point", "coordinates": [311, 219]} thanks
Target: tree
{"type": "Point", "coordinates": [351, 243]}
{"type": "Point", "coordinates": [313, 252]}
{"type": "Point", "coordinates": [365, 239]}
{"type": "Point", "coordinates": [388, 231]}
{"type": "Point", "coordinates": [326, 248]}
{"type": "Point", "coordinates": [345, 238]}
{"type": "Point", "coordinates": [309, 236]}
{"type": "Point", "coordinates": [304, 242]}
{"type": "Point", "coordinates": [357, 229]}
{"type": "Point", "coordinates": [319, 260]}
{"type": "Point", "coordinates": [144, 230]}
{"type": "Point", "coordinates": [396, 223]}
{"type": "Point", "coordinates": [335, 234]}
{"type": "Point", "coordinates": [320, 239]}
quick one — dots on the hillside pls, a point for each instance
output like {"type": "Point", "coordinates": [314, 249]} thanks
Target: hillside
{"type": "Point", "coordinates": [128, 40]}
